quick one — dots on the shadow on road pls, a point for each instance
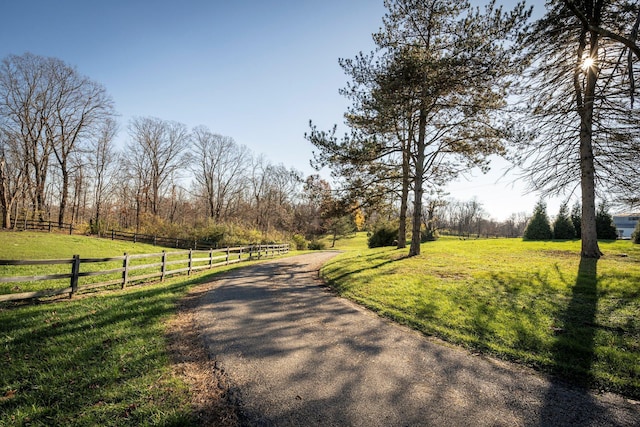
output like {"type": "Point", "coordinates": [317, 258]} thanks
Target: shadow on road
{"type": "Point", "coordinates": [297, 355]}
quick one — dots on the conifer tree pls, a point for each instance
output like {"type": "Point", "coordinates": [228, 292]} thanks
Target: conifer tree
{"type": "Point", "coordinates": [436, 85]}
{"type": "Point", "coordinates": [581, 91]}
{"type": "Point", "coordinates": [563, 226]}
{"type": "Point", "coordinates": [605, 227]}
{"type": "Point", "coordinates": [576, 218]}
{"type": "Point", "coordinates": [538, 227]}
{"type": "Point", "coordinates": [635, 236]}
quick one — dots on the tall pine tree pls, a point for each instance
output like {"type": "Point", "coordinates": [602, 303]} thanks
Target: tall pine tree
{"type": "Point", "coordinates": [436, 85]}
{"type": "Point", "coordinates": [585, 62]}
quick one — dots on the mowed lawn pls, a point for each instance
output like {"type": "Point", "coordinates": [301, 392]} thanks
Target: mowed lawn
{"type": "Point", "coordinates": [97, 359]}
{"type": "Point", "coordinates": [531, 302]}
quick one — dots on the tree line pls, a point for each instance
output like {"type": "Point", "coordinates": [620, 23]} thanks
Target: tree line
{"type": "Point", "coordinates": [59, 161]}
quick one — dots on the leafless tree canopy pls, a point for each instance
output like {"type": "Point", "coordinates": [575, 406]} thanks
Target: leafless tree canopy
{"type": "Point", "coordinates": [48, 111]}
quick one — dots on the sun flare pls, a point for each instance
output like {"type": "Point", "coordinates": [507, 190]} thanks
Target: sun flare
{"type": "Point", "coordinates": [588, 63]}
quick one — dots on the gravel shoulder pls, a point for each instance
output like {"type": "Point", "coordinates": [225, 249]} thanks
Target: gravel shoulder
{"type": "Point", "coordinates": [280, 350]}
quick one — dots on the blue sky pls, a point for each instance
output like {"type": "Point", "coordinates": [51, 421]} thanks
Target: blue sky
{"type": "Point", "coordinates": [256, 71]}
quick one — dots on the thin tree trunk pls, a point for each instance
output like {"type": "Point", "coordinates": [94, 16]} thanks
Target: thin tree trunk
{"type": "Point", "coordinates": [418, 186]}
{"type": "Point", "coordinates": [63, 197]}
{"type": "Point", "coordinates": [404, 197]}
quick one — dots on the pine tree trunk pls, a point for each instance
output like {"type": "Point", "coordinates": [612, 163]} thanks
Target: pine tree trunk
{"type": "Point", "coordinates": [418, 186]}
{"type": "Point", "coordinates": [589, 234]}
{"type": "Point", "coordinates": [404, 197]}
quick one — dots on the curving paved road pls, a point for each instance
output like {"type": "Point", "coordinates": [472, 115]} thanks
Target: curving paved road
{"type": "Point", "coordinates": [300, 356]}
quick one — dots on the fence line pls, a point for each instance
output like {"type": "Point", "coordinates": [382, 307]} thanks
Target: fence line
{"type": "Point", "coordinates": [169, 242]}
{"type": "Point", "coordinates": [195, 261]}
{"type": "Point", "coordinates": [32, 224]}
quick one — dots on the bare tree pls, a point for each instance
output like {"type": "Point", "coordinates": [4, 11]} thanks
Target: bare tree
{"type": "Point", "coordinates": [153, 156]}
{"type": "Point", "coordinates": [272, 189]}
{"type": "Point", "coordinates": [78, 108]}
{"type": "Point", "coordinates": [50, 108]}
{"type": "Point", "coordinates": [12, 177]}
{"type": "Point", "coordinates": [219, 165]}
{"type": "Point", "coordinates": [103, 160]}
{"type": "Point", "coordinates": [25, 107]}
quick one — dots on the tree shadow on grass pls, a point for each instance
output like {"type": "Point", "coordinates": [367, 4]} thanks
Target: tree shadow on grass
{"type": "Point", "coordinates": [334, 281]}
{"type": "Point", "coordinates": [100, 358]}
{"type": "Point", "coordinates": [573, 355]}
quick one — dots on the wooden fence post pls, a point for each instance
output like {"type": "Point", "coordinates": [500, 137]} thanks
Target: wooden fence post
{"type": "Point", "coordinates": [210, 257]}
{"type": "Point", "coordinates": [163, 268]}
{"type": "Point", "coordinates": [240, 255]}
{"type": "Point", "coordinates": [70, 229]}
{"type": "Point", "coordinates": [125, 272]}
{"type": "Point", "coordinates": [190, 262]}
{"type": "Point", "coordinates": [227, 260]}
{"type": "Point", "coordinates": [75, 270]}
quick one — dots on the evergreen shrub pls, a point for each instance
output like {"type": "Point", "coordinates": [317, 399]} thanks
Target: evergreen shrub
{"type": "Point", "coordinates": [538, 227]}
{"type": "Point", "coordinates": [317, 245]}
{"type": "Point", "coordinates": [605, 228]}
{"type": "Point", "coordinates": [299, 242]}
{"type": "Point", "coordinates": [383, 235]}
{"type": "Point", "coordinates": [563, 228]}
{"type": "Point", "coordinates": [635, 236]}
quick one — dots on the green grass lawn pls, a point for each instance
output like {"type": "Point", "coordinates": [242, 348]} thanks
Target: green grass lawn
{"type": "Point", "coordinates": [34, 245]}
{"type": "Point", "coordinates": [37, 245]}
{"type": "Point", "coordinates": [97, 360]}
{"type": "Point", "coordinates": [102, 360]}
{"type": "Point", "coordinates": [531, 302]}
{"type": "Point", "coordinates": [92, 361]}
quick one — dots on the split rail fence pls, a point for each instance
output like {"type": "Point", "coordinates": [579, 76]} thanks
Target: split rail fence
{"type": "Point", "coordinates": [168, 242]}
{"type": "Point", "coordinates": [130, 269]}
{"type": "Point", "coordinates": [29, 224]}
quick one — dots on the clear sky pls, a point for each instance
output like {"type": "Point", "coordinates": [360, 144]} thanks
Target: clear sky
{"type": "Point", "coordinates": [254, 70]}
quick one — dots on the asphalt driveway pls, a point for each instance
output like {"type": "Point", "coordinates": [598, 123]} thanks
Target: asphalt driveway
{"type": "Point", "coordinates": [299, 356]}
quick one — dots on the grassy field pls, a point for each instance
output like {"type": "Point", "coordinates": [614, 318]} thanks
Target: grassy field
{"type": "Point", "coordinates": [38, 245]}
{"type": "Point", "coordinates": [34, 245]}
{"type": "Point", "coordinates": [103, 359]}
{"type": "Point", "coordinates": [531, 302]}
{"type": "Point", "coordinates": [98, 360]}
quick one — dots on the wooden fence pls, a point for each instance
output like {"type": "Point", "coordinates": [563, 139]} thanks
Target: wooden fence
{"type": "Point", "coordinates": [187, 262]}
{"type": "Point", "coordinates": [29, 224]}
{"type": "Point", "coordinates": [168, 242]}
